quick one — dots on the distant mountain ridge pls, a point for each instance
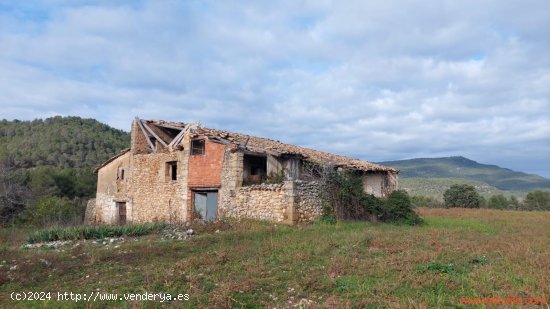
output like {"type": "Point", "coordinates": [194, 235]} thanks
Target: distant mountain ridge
{"type": "Point", "coordinates": [465, 169]}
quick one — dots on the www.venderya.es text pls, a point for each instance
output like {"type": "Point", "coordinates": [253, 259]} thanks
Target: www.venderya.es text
{"type": "Point", "coordinates": [97, 296]}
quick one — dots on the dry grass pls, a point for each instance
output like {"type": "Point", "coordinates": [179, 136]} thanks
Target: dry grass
{"type": "Point", "coordinates": [252, 264]}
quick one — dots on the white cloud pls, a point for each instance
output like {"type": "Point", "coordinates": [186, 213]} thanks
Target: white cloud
{"type": "Point", "coordinates": [377, 80]}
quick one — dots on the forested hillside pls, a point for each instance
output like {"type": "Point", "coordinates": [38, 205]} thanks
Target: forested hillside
{"type": "Point", "coordinates": [62, 142]}
{"type": "Point", "coordinates": [47, 167]}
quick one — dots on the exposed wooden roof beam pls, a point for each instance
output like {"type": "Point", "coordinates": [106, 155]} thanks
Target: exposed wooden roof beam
{"type": "Point", "coordinates": [154, 134]}
{"type": "Point", "coordinates": [176, 139]}
{"type": "Point", "coordinates": [168, 126]}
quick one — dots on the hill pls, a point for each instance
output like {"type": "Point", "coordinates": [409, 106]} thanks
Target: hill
{"type": "Point", "coordinates": [62, 142]}
{"type": "Point", "coordinates": [46, 167]}
{"type": "Point", "coordinates": [430, 174]}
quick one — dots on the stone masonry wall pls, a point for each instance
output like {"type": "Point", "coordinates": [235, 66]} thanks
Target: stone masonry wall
{"type": "Point", "coordinates": [231, 181]}
{"type": "Point", "coordinates": [111, 188]}
{"type": "Point", "coordinates": [289, 202]}
{"type": "Point", "coordinates": [139, 142]}
{"type": "Point", "coordinates": [310, 207]}
{"type": "Point", "coordinates": [155, 196]}
{"type": "Point", "coordinates": [390, 183]}
{"type": "Point", "coordinates": [90, 214]}
{"type": "Point", "coordinates": [151, 195]}
{"type": "Point", "coordinates": [262, 202]}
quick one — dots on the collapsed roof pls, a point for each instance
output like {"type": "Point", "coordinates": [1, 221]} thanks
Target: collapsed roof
{"type": "Point", "coordinates": [170, 134]}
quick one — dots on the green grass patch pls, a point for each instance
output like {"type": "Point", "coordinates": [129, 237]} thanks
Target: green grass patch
{"type": "Point", "coordinates": [463, 224]}
{"type": "Point", "coordinates": [438, 267]}
{"type": "Point", "coordinates": [93, 232]}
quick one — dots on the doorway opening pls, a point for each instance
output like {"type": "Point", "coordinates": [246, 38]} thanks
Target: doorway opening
{"type": "Point", "coordinates": [121, 212]}
{"type": "Point", "coordinates": [205, 205]}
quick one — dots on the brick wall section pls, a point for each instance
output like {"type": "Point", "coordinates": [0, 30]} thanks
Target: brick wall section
{"type": "Point", "coordinates": [205, 170]}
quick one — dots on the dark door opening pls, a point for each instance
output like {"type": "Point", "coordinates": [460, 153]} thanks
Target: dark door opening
{"type": "Point", "coordinates": [121, 212]}
{"type": "Point", "coordinates": [206, 205]}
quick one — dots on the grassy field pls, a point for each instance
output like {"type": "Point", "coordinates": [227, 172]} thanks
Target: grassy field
{"type": "Point", "coordinates": [457, 254]}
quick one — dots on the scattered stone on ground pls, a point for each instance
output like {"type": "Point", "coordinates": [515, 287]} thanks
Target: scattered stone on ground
{"type": "Point", "coordinates": [58, 243]}
{"type": "Point", "coordinates": [48, 244]}
{"type": "Point", "coordinates": [177, 231]}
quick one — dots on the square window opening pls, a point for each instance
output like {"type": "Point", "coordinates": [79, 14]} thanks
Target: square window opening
{"type": "Point", "coordinates": [198, 147]}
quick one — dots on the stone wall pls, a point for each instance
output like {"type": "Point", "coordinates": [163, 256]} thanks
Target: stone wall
{"type": "Point", "coordinates": [262, 202]}
{"type": "Point", "coordinates": [111, 188]}
{"type": "Point", "coordinates": [231, 181]}
{"type": "Point", "coordinates": [154, 195]}
{"type": "Point", "coordinates": [90, 214]}
{"type": "Point", "coordinates": [150, 193]}
{"type": "Point", "coordinates": [390, 183]}
{"type": "Point", "coordinates": [373, 183]}
{"type": "Point", "coordinates": [138, 142]}
{"type": "Point", "coordinates": [310, 206]}
{"type": "Point", "coordinates": [380, 184]}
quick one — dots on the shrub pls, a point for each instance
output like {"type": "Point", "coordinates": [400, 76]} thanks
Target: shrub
{"type": "Point", "coordinates": [344, 198]}
{"type": "Point", "coordinates": [537, 200]}
{"type": "Point", "coordinates": [373, 205]}
{"type": "Point", "coordinates": [343, 193]}
{"type": "Point", "coordinates": [53, 210]}
{"type": "Point", "coordinates": [398, 208]}
{"type": "Point", "coordinates": [328, 219]}
{"type": "Point", "coordinates": [276, 177]}
{"type": "Point", "coordinates": [462, 195]}
{"type": "Point", "coordinates": [514, 203]}
{"type": "Point", "coordinates": [13, 194]}
{"type": "Point", "coordinates": [498, 201]}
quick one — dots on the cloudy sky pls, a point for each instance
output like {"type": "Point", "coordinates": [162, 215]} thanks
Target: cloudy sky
{"type": "Point", "coordinates": [377, 80]}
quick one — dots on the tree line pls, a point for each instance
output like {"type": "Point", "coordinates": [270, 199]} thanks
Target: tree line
{"type": "Point", "coordinates": [466, 196]}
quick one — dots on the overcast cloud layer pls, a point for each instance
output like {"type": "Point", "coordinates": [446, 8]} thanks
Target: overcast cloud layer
{"type": "Point", "coordinates": [378, 81]}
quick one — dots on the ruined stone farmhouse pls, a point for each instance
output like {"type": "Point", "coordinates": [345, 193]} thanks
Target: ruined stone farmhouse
{"type": "Point", "coordinates": [178, 172]}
